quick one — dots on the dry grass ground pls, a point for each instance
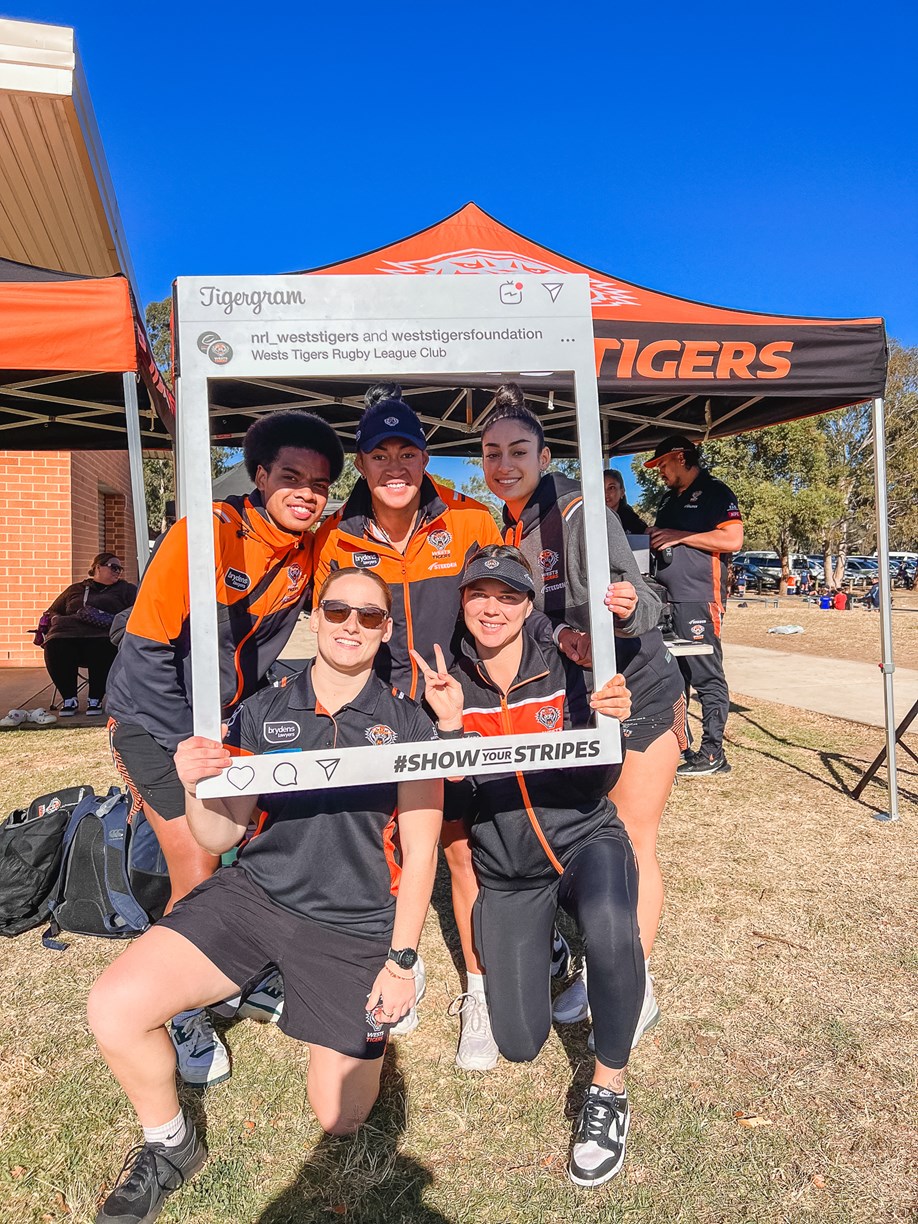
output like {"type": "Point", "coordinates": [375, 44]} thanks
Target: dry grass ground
{"type": "Point", "coordinates": [786, 972]}
{"type": "Point", "coordinates": [837, 635]}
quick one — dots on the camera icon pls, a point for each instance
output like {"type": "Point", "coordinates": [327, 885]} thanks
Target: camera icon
{"type": "Point", "coordinates": [511, 293]}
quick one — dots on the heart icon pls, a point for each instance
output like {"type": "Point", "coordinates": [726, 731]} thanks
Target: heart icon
{"type": "Point", "coordinates": [240, 777]}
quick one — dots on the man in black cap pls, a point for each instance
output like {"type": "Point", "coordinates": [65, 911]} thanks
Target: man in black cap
{"type": "Point", "coordinates": [698, 528]}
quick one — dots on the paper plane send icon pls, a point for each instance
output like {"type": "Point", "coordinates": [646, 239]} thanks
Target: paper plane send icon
{"type": "Point", "coordinates": [329, 766]}
{"type": "Point", "coordinates": [553, 289]}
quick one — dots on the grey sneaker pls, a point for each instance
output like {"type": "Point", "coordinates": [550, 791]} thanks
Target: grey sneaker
{"type": "Point", "coordinates": [599, 1137]}
{"type": "Point", "coordinates": [410, 1022]}
{"type": "Point", "coordinates": [477, 1048]}
{"type": "Point", "coordinates": [150, 1173]}
{"type": "Point", "coordinates": [202, 1056]}
{"type": "Point", "coordinates": [69, 707]}
{"type": "Point", "coordinates": [572, 1005]}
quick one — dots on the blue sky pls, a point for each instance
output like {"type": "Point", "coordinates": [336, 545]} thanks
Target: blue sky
{"type": "Point", "coordinates": [752, 156]}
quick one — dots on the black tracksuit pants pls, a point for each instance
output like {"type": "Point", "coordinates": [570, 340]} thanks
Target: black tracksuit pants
{"type": "Point", "coordinates": [700, 622]}
{"type": "Point", "coordinates": [513, 934]}
{"type": "Point", "coordinates": [64, 655]}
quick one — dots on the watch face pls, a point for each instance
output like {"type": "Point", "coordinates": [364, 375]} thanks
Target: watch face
{"type": "Point", "coordinates": [405, 958]}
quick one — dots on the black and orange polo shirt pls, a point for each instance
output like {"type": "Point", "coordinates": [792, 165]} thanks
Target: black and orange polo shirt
{"type": "Point", "coordinates": [694, 576]}
{"type": "Point", "coordinates": [328, 855]}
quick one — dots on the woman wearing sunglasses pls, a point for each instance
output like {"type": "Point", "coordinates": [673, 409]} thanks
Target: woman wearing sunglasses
{"type": "Point", "coordinates": [541, 839]}
{"type": "Point", "coordinates": [77, 633]}
{"type": "Point", "coordinates": [543, 517]}
{"type": "Point", "coordinates": [333, 889]}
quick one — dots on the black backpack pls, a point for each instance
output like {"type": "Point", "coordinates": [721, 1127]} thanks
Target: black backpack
{"type": "Point", "coordinates": [113, 880]}
{"type": "Point", "coordinates": [31, 842]}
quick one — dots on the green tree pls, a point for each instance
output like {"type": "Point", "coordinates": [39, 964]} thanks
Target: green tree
{"type": "Point", "coordinates": [159, 471]}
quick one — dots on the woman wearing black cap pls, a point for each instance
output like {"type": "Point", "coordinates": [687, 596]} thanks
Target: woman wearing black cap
{"type": "Point", "coordinates": [543, 517]}
{"type": "Point", "coordinates": [542, 839]}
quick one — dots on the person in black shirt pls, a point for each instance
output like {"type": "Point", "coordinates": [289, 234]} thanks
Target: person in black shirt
{"type": "Point", "coordinates": [697, 530]}
{"type": "Point", "coordinates": [333, 889]}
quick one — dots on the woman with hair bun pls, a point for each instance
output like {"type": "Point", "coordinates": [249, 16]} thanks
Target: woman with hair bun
{"type": "Point", "coordinates": [543, 517]}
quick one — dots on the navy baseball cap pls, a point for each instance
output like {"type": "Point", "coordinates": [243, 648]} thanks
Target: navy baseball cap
{"type": "Point", "coordinates": [389, 418]}
{"type": "Point", "coordinates": [501, 569]}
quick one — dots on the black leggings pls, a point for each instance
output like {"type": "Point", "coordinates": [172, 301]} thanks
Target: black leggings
{"type": "Point", "coordinates": [63, 655]}
{"type": "Point", "coordinates": [513, 933]}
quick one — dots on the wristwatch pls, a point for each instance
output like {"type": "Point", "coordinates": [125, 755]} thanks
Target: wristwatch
{"type": "Point", "coordinates": [405, 958]}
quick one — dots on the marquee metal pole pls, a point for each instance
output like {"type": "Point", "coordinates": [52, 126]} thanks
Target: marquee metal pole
{"type": "Point", "coordinates": [135, 455]}
{"type": "Point", "coordinates": [887, 666]}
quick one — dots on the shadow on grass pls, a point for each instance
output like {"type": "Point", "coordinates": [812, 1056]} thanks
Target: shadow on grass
{"type": "Point", "coordinates": [835, 764]}
{"type": "Point", "coordinates": [362, 1178]}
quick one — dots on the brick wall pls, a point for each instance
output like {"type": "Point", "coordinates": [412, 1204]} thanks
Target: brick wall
{"type": "Point", "coordinates": [59, 510]}
{"type": "Point", "coordinates": [100, 507]}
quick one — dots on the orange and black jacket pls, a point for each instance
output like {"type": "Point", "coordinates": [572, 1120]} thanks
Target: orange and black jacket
{"type": "Point", "coordinates": [424, 581]}
{"type": "Point", "coordinates": [264, 580]}
{"type": "Point", "coordinates": [528, 826]}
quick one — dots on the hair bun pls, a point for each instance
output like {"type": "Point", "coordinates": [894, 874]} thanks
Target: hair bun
{"type": "Point", "coordinates": [381, 391]}
{"type": "Point", "coordinates": [509, 395]}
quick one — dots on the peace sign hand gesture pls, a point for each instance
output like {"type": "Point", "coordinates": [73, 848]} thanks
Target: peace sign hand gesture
{"type": "Point", "coordinates": [442, 692]}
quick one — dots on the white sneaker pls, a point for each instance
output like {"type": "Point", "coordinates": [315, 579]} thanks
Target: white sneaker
{"type": "Point", "coordinates": [202, 1056]}
{"type": "Point", "coordinates": [265, 1002]}
{"type": "Point", "coordinates": [599, 1139]}
{"type": "Point", "coordinates": [477, 1048]}
{"type": "Point", "coordinates": [650, 1014]}
{"type": "Point", "coordinates": [572, 1005]}
{"type": "Point", "coordinates": [560, 955]}
{"type": "Point", "coordinates": [410, 1022]}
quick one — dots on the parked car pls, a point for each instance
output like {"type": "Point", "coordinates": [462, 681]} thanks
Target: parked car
{"type": "Point", "coordinates": [760, 578]}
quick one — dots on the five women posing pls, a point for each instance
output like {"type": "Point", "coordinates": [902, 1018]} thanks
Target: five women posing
{"type": "Point", "coordinates": [416, 593]}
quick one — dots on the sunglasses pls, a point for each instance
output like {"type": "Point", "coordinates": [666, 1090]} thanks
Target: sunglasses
{"type": "Point", "coordinates": [114, 567]}
{"type": "Point", "coordinates": [336, 612]}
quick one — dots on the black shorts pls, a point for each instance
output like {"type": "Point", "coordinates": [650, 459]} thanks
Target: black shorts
{"type": "Point", "coordinates": [147, 768]}
{"type": "Point", "coordinates": [327, 973]}
{"type": "Point", "coordinates": [639, 733]}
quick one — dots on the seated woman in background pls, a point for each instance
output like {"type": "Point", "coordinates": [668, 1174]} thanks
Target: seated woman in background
{"type": "Point", "coordinates": [77, 634]}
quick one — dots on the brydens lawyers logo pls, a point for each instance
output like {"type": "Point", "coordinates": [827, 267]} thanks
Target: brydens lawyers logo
{"type": "Point", "coordinates": [380, 735]}
{"type": "Point", "coordinates": [366, 560]}
{"type": "Point", "coordinates": [238, 580]}
{"type": "Point", "coordinates": [280, 732]}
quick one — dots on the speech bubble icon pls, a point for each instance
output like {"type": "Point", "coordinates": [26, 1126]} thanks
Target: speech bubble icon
{"type": "Point", "coordinates": [240, 776]}
{"type": "Point", "coordinates": [285, 774]}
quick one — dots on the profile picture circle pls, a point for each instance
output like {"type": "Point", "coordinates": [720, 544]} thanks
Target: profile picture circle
{"type": "Point", "coordinates": [206, 339]}
{"type": "Point", "coordinates": [220, 352]}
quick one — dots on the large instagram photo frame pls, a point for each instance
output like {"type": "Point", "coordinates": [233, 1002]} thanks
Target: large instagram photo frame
{"type": "Point", "coordinates": [385, 328]}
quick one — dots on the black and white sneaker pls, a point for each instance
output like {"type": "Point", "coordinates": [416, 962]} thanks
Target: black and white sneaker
{"type": "Point", "coordinates": [599, 1139]}
{"type": "Point", "coordinates": [560, 954]}
{"type": "Point", "coordinates": [151, 1172]}
{"type": "Point", "coordinates": [700, 764]}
